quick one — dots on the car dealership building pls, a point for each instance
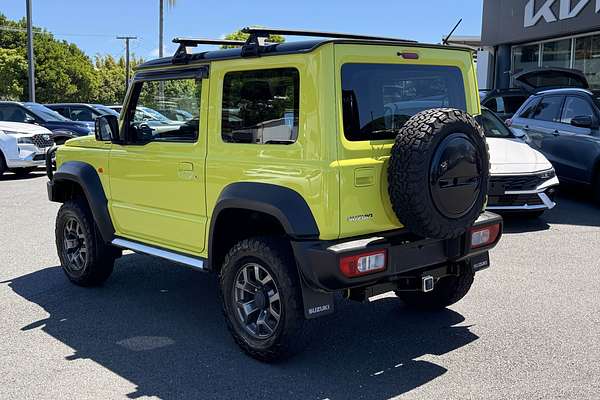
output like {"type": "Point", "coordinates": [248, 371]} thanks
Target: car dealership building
{"type": "Point", "coordinates": [521, 35]}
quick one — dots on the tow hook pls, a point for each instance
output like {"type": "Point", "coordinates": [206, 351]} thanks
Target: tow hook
{"type": "Point", "coordinates": [427, 283]}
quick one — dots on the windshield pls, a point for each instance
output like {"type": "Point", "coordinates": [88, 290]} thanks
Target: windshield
{"type": "Point", "coordinates": [155, 114]}
{"type": "Point", "coordinates": [492, 125]}
{"type": "Point", "coordinates": [45, 113]}
{"type": "Point", "coordinates": [378, 99]}
{"type": "Point", "coordinates": [105, 110]}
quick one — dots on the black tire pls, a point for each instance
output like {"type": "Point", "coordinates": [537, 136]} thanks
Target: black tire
{"type": "Point", "coordinates": [94, 265]}
{"type": "Point", "coordinates": [447, 291]}
{"type": "Point", "coordinates": [23, 171]}
{"type": "Point", "coordinates": [274, 255]}
{"type": "Point", "coordinates": [438, 173]}
{"type": "Point", "coordinates": [3, 167]}
{"type": "Point", "coordinates": [595, 188]}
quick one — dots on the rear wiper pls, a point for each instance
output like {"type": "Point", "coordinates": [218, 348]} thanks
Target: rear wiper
{"type": "Point", "coordinates": [388, 130]}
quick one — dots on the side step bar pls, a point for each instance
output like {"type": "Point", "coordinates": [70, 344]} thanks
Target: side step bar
{"type": "Point", "coordinates": [196, 263]}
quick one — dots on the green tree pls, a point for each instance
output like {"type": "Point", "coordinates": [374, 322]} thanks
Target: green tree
{"type": "Point", "coordinates": [239, 35]}
{"type": "Point", "coordinates": [63, 71]}
{"type": "Point", "coordinates": [13, 72]}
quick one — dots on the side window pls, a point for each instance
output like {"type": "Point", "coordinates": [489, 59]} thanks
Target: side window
{"type": "Point", "coordinates": [529, 108]}
{"type": "Point", "coordinates": [14, 113]}
{"type": "Point", "coordinates": [64, 111]}
{"type": "Point", "coordinates": [492, 104]}
{"type": "Point", "coordinates": [81, 114]}
{"type": "Point", "coordinates": [576, 107]}
{"type": "Point", "coordinates": [261, 106]}
{"type": "Point", "coordinates": [548, 109]}
{"type": "Point", "coordinates": [146, 124]}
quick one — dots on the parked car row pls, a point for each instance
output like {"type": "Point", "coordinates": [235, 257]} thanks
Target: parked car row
{"type": "Point", "coordinates": [28, 130]}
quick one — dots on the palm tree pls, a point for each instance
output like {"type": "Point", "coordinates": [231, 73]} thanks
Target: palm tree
{"type": "Point", "coordinates": [171, 4]}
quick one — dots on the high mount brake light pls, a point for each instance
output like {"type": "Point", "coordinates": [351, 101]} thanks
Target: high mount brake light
{"type": "Point", "coordinates": [484, 236]}
{"type": "Point", "coordinates": [363, 264]}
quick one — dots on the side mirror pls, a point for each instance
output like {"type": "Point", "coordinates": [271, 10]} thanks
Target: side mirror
{"type": "Point", "coordinates": [107, 128]}
{"type": "Point", "coordinates": [583, 121]}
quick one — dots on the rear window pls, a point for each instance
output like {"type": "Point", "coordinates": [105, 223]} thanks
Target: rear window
{"type": "Point", "coordinates": [378, 99]}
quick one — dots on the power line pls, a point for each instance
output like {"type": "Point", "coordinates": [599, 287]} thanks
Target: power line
{"type": "Point", "coordinates": [39, 31]}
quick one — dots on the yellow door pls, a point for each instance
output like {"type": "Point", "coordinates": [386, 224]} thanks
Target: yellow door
{"type": "Point", "coordinates": [157, 175]}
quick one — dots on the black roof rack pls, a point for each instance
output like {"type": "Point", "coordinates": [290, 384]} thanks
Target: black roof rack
{"type": "Point", "coordinates": [265, 32]}
{"type": "Point", "coordinates": [258, 37]}
{"type": "Point", "coordinates": [185, 44]}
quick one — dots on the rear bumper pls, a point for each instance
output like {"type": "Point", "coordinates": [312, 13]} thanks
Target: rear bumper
{"type": "Point", "coordinates": [319, 261]}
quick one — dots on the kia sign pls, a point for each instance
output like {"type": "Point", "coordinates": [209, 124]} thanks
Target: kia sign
{"type": "Point", "coordinates": [515, 21]}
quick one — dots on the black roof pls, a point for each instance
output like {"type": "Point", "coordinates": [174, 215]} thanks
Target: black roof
{"type": "Point", "coordinates": [296, 47]}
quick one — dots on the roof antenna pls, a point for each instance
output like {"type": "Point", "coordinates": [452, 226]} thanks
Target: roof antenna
{"type": "Point", "coordinates": [445, 41]}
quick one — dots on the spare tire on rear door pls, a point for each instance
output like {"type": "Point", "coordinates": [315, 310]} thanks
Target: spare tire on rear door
{"type": "Point", "coordinates": [438, 173]}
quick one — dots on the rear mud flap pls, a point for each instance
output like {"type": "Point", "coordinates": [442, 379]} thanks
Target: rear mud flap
{"type": "Point", "coordinates": [316, 303]}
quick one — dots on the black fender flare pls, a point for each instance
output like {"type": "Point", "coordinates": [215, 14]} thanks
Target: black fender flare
{"type": "Point", "coordinates": [283, 203]}
{"type": "Point", "coordinates": [87, 178]}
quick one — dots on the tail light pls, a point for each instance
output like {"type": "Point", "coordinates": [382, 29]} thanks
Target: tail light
{"type": "Point", "coordinates": [484, 236]}
{"type": "Point", "coordinates": [363, 264]}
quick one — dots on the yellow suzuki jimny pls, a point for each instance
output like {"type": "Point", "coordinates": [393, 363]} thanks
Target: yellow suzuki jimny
{"type": "Point", "coordinates": [297, 171]}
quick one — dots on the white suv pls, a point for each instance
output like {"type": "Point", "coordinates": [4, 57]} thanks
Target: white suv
{"type": "Point", "coordinates": [23, 147]}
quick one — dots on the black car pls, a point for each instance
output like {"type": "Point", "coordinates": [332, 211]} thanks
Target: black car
{"type": "Point", "coordinates": [564, 125]}
{"type": "Point", "coordinates": [34, 113]}
{"type": "Point", "coordinates": [82, 111]}
{"type": "Point", "coordinates": [505, 102]}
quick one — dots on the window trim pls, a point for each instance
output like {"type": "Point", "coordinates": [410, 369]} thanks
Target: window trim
{"type": "Point", "coordinates": [135, 89]}
{"type": "Point", "coordinates": [251, 70]}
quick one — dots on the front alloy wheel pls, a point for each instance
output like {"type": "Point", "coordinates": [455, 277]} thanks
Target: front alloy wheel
{"type": "Point", "coordinates": [257, 299]}
{"type": "Point", "coordinates": [74, 246]}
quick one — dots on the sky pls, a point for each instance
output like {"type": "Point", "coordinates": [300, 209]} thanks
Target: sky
{"type": "Point", "coordinates": [94, 24]}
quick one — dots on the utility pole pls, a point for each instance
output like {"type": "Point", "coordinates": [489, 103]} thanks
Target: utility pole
{"type": "Point", "coordinates": [126, 39]}
{"type": "Point", "coordinates": [30, 59]}
{"type": "Point", "coordinates": [160, 28]}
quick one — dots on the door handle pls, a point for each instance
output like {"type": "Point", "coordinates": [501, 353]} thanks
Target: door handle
{"type": "Point", "coordinates": [185, 170]}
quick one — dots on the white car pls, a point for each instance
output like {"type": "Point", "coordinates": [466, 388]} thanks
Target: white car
{"type": "Point", "coordinates": [23, 147]}
{"type": "Point", "coordinates": [522, 179]}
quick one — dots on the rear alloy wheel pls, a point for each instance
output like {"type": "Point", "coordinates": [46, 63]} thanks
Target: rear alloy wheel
{"type": "Point", "coordinates": [257, 299]}
{"type": "Point", "coordinates": [262, 300]}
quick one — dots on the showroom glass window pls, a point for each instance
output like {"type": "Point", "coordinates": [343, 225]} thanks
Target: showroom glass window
{"type": "Point", "coordinates": [557, 54]}
{"type": "Point", "coordinates": [525, 58]}
{"type": "Point", "coordinates": [587, 58]}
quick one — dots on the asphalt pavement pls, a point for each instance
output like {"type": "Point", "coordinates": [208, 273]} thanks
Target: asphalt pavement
{"type": "Point", "coordinates": [529, 328]}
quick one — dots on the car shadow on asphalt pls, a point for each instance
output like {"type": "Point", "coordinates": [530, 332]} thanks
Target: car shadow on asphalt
{"type": "Point", "coordinates": [9, 176]}
{"type": "Point", "coordinates": [160, 327]}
